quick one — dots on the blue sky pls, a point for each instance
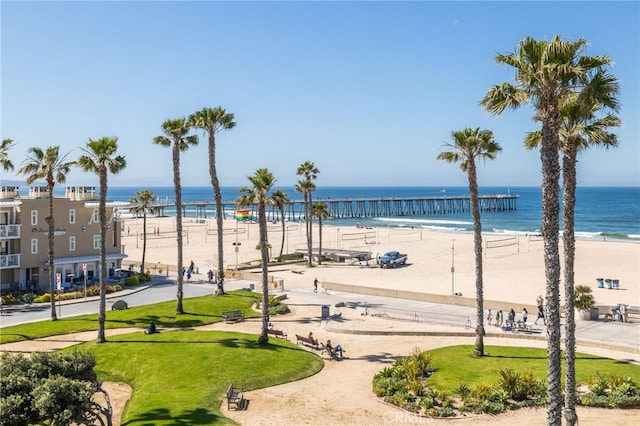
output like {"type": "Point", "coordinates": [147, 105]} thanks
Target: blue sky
{"type": "Point", "coordinates": [369, 91]}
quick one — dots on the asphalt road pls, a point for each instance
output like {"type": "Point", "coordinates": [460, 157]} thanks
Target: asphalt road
{"type": "Point", "coordinates": [162, 289]}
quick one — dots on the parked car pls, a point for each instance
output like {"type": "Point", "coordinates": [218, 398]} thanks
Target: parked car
{"type": "Point", "coordinates": [391, 259]}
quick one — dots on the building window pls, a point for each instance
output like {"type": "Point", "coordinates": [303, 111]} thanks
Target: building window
{"type": "Point", "coordinates": [34, 217]}
{"type": "Point", "coordinates": [72, 243]}
{"type": "Point", "coordinates": [96, 242]}
{"type": "Point", "coordinates": [95, 219]}
{"type": "Point", "coordinates": [34, 246]}
{"type": "Point", "coordinates": [72, 215]}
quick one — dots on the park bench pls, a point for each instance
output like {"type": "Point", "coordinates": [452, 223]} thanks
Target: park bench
{"type": "Point", "coordinates": [232, 316]}
{"type": "Point", "coordinates": [235, 397]}
{"type": "Point", "coordinates": [278, 333]}
{"type": "Point", "coordinates": [119, 305]}
{"type": "Point", "coordinates": [307, 341]}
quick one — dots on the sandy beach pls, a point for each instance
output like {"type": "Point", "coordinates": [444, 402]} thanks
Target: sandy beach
{"type": "Point", "coordinates": [513, 273]}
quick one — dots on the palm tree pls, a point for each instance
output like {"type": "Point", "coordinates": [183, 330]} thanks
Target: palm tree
{"type": "Point", "coordinates": [5, 163]}
{"type": "Point", "coordinates": [279, 200]}
{"type": "Point", "coordinates": [262, 182]}
{"type": "Point", "coordinates": [52, 167]}
{"type": "Point", "coordinates": [175, 136]}
{"type": "Point", "coordinates": [212, 121]}
{"type": "Point", "coordinates": [581, 127]}
{"type": "Point", "coordinates": [143, 201]}
{"type": "Point", "coordinates": [100, 158]}
{"type": "Point", "coordinates": [309, 172]}
{"type": "Point", "coordinates": [546, 72]}
{"type": "Point", "coordinates": [468, 145]}
{"type": "Point", "coordinates": [321, 211]}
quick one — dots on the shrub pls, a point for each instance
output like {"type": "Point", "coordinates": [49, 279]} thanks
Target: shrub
{"type": "Point", "coordinates": [143, 278]}
{"type": "Point", "coordinates": [8, 299]}
{"type": "Point", "coordinates": [132, 281]}
{"type": "Point", "coordinates": [43, 298]}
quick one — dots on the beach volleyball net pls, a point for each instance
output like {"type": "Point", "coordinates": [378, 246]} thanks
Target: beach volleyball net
{"type": "Point", "coordinates": [502, 246]}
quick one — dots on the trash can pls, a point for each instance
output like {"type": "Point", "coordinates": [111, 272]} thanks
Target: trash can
{"type": "Point", "coordinates": [252, 286]}
{"type": "Point", "coordinates": [615, 284]}
{"type": "Point", "coordinates": [600, 282]}
{"type": "Point", "coordinates": [325, 311]}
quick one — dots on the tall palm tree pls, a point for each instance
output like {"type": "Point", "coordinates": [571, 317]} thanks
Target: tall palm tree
{"type": "Point", "coordinates": [581, 127]}
{"type": "Point", "coordinates": [51, 166]}
{"type": "Point", "coordinates": [212, 121]}
{"type": "Point", "coordinates": [100, 158]}
{"type": "Point", "coordinates": [469, 144]}
{"type": "Point", "coordinates": [175, 135]}
{"type": "Point", "coordinates": [279, 200]}
{"type": "Point", "coordinates": [546, 72]}
{"type": "Point", "coordinates": [5, 163]}
{"type": "Point", "coordinates": [309, 172]}
{"type": "Point", "coordinates": [262, 182]}
{"type": "Point", "coordinates": [143, 201]}
{"type": "Point", "coordinates": [321, 211]}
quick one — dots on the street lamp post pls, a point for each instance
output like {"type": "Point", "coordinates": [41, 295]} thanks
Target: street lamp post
{"type": "Point", "coordinates": [236, 246]}
{"type": "Point", "coordinates": [453, 268]}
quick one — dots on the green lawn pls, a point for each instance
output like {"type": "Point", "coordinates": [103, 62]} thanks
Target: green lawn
{"type": "Point", "coordinates": [181, 377]}
{"type": "Point", "coordinates": [198, 311]}
{"type": "Point", "coordinates": [456, 364]}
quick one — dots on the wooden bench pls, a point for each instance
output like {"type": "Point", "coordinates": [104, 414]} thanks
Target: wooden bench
{"type": "Point", "coordinates": [232, 316]}
{"type": "Point", "coordinates": [308, 342]}
{"type": "Point", "coordinates": [278, 333]}
{"type": "Point", "coordinates": [119, 305]}
{"type": "Point", "coordinates": [235, 397]}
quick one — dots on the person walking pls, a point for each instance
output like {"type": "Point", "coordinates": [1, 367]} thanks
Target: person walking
{"type": "Point", "coordinates": [525, 315]}
{"type": "Point", "coordinates": [315, 285]}
{"type": "Point", "coordinates": [540, 316]}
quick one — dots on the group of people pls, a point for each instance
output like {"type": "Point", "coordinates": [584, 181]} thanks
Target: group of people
{"type": "Point", "coordinates": [511, 315]}
{"type": "Point", "coordinates": [189, 272]}
{"type": "Point", "coordinates": [333, 350]}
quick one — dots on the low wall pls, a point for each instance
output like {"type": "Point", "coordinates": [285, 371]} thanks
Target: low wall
{"type": "Point", "coordinates": [427, 297]}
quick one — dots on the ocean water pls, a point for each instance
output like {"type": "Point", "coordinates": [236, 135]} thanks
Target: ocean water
{"type": "Point", "coordinates": [601, 212]}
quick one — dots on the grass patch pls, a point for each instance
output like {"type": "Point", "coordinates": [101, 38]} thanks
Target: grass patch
{"type": "Point", "coordinates": [181, 377]}
{"type": "Point", "coordinates": [456, 364]}
{"type": "Point", "coordinates": [198, 311]}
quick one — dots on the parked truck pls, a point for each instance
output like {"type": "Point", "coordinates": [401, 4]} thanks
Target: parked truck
{"type": "Point", "coordinates": [391, 259]}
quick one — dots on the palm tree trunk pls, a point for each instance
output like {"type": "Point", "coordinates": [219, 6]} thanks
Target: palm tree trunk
{"type": "Point", "coordinates": [320, 240]}
{"type": "Point", "coordinates": [568, 236]}
{"type": "Point", "coordinates": [144, 237]}
{"type": "Point", "coordinates": [102, 217]}
{"type": "Point", "coordinates": [477, 247]}
{"type": "Point", "coordinates": [284, 230]}
{"type": "Point", "coordinates": [218, 197]}
{"type": "Point", "coordinates": [262, 220]}
{"type": "Point", "coordinates": [310, 230]}
{"type": "Point", "coordinates": [50, 242]}
{"type": "Point", "coordinates": [550, 229]}
{"type": "Point", "coordinates": [178, 190]}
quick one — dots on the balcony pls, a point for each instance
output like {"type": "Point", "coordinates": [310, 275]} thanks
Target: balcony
{"type": "Point", "coordinates": [9, 261]}
{"type": "Point", "coordinates": [10, 231]}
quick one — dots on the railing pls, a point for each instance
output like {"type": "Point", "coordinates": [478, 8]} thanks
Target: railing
{"type": "Point", "coordinates": [10, 231]}
{"type": "Point", "coordinates": [9, 261]}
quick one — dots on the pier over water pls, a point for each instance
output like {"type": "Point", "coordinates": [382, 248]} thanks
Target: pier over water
{"type": "Point", "coordinates": [353, 208]}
